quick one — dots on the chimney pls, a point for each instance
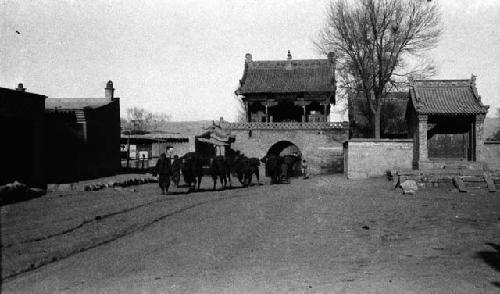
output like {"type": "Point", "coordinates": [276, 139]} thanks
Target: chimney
{"type": "Point", "coordinates": [109, 91]}
{"type": "Point", "coordinates": [248, 58]}
{"type": "Point", "coordinates": [20, 88]}
{"type": "Point", "coordinates": [289, 56]}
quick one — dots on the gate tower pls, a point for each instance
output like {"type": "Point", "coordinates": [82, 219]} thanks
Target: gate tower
{"type": "Point", "coordinates": [289, 101]}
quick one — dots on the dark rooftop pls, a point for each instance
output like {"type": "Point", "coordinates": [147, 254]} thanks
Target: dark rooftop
{"type": "Point", "coordinates": [446, 97]}
{"type": "Point", "coordinates": [7, 91]}
{"type": "Point", "coordinates": [75, 103]}
{"type": "Point", "coordinates": [287, 76]}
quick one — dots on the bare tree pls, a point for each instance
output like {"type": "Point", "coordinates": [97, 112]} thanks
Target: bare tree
{"type": "Point", "coordinates": [139, 119]}
{"type": "Point", "coordinates": [373, 40]}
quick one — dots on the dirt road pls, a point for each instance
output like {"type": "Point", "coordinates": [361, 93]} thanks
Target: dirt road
{"type": "Point", "coordinates": [322, 235]}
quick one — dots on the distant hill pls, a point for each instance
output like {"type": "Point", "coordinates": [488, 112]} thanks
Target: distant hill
{"type": "Point", "coordinates": [490, 125]}
{"type": "Point", "coordinates": [189, 128]}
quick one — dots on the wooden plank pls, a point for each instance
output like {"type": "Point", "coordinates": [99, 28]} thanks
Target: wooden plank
{"type": "Point", "coordinates": [459, 184]}
{"type": "Point", "coordinates": [473, 178]}
{"type": "Point", "coordinates": [477, 185]}
{"type": "Point", "coordinates": [471, 172]}
{"type": "Point", "coordinates": [489, 181]}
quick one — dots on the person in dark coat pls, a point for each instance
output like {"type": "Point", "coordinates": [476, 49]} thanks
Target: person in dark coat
{"type": "Point", "coordinates": [164, 171]}
{"type": "Point", "coordinates": [176, 170]}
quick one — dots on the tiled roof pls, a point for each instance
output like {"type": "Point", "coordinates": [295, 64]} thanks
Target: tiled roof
{"type": "Point", "coordinates": [287, 76]}
{"type": "Point", "coordinates": [74, 103]}
{"type": "Point", "coordinates": [446, 97]}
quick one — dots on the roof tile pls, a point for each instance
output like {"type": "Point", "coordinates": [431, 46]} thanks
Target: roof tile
{"type": "Point", "coordinates": [287, 76]}
{"type": "Point", "coordinates": [446, 97]}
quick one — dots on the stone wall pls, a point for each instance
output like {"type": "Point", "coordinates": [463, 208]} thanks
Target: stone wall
{"type": "Point", "coordinates": [371, 157]}
{"type": "Point", "coordinates": [491, 154]}
{"type": "Point", "coordinates": [321, 148]}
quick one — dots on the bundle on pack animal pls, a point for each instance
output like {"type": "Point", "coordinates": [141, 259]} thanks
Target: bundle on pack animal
{"type": "Point", "coordinates": [192, 169]}
{"type": "Point", "coordinates": [219, 168]}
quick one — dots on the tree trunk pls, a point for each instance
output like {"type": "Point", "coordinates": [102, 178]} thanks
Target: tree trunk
{"type": "Point", "coordinates": [376, 123]}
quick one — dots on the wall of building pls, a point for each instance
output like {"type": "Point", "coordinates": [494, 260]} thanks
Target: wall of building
{"type": "Point", "coordinates": [370, 157]}
{"type": "Point", "coordinates": [103, 140]}
{"type": "Point", "coordinates": [491, 154]}
{"type": "Point", "coordinates": [77, 150]}
{"type": "Point", "coordinates": [321, 148]}
{"type": "Point", "coordinates": [64, 147]}
{"type": "Point", "coordinates": [22, 126]}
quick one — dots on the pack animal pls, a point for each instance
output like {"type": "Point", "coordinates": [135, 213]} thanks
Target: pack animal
{"type": "Point", "coordinates": [219, 168]}
{"type": "Point", "coordinates": [192, 169]}
{"type": "Point", "coordinates": [245, 168]}
{"type": "Point", "coordinates": [273, 167]}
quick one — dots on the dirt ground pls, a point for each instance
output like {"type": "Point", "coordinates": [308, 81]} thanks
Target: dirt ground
{"type": "Point", "coordinates": [322, 235]}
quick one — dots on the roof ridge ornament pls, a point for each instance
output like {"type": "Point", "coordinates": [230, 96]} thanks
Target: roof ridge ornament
{"type": "Point", "coordinates": [473, 80]}
{"type": "Point", "coordinates": [248, 58]}
{"type": "Point", "coordinates": [411, 81]}
{"type": "Point", "coordinates": [473, 86]}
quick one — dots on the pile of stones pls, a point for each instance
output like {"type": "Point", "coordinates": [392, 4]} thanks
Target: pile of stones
{"type": "Point", "coordinates": [119, 184]}
{"type": "Point", "coordinates": [17, 191]}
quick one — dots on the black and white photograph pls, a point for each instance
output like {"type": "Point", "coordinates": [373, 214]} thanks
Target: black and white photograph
{"type": "Point", "coordinates": [250, 146]}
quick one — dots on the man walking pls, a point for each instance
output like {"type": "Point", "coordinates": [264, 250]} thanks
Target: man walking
{"type": "Point", "coordinates": [304, 169]}
{"type": "Point", "coordinates": [163, 169]}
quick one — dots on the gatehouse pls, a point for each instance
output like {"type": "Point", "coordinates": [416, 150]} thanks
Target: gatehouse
{"type": "Point", "coordinates": [287, 108]}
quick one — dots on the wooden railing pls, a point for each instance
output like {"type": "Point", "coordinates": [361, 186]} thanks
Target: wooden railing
{"type": "Point", "coordinates": [285, 125]}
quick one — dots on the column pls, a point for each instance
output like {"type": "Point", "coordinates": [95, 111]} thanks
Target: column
{"type": "Point", "coordinates": [303, 103]}
{"type": "Point", "coordinates": [267, 113]}
{"type": "Point", "coordinates": [422, 138]}
{"type": "Point", "coordinates": [269, 103]}
{"type": "Point", "coordinates": [247, 113]}
{"type": "Point", "coordinates": [479, 138]}
{"type": "Point", "coordinates": [325, 110]}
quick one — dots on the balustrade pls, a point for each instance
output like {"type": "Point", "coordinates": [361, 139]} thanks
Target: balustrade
{"type": "Point", "coordinates": [284, 125]}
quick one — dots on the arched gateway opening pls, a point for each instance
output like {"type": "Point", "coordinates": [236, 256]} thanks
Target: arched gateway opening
{"type": "Point", "coordinates": [292, 155]}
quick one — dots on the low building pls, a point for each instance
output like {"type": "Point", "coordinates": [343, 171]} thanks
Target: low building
{"type": "Point", "coordinates": [143, 151]}
{"type": "Point", "coordinates": [444, 119]}
{"type": "Point", "coordinates": [82, 137]}
{"type": "Point", "coordinates": [22, 129]}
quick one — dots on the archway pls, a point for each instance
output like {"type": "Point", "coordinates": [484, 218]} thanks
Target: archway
{"type": "Point", "coordinates": [292, 155]}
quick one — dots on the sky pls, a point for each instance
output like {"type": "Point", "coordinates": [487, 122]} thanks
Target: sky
{"type": "Point", "coordinates": [185, 58]}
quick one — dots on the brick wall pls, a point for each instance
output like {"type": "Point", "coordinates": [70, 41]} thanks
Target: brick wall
{"type": "Point", "coordinates": [491, 154]}
{"type": "Point", "coordinates": [370, 157]}
{"type": "Point", "coordinates": [321, 148]}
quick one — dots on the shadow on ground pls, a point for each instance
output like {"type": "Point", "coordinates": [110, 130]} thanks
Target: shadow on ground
{"type": "Point", "coordinates": [492, 258]}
